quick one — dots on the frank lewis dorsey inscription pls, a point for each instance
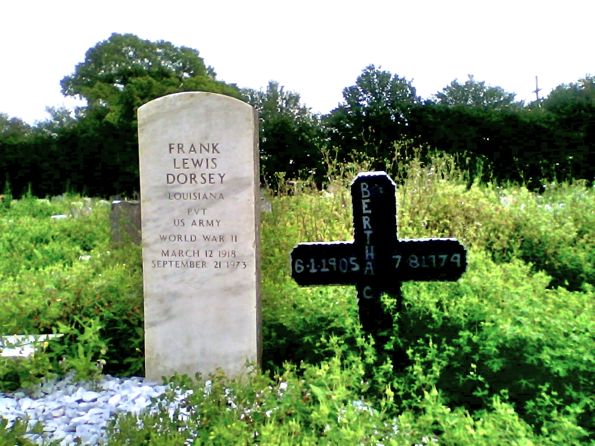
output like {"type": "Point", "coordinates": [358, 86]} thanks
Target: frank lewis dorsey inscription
{"type": "Point", "coordinates": [198, 163]}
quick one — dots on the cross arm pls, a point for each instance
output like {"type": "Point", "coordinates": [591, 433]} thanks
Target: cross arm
{"type": "Point", "coordinates": [428, 259]}
{"type": "Point", "coordinates": [333, 263]}
{"type": "Point", "coordinates": [338, 263]}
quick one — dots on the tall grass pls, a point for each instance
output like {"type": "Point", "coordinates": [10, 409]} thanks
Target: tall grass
{"type": "Point", "coordinates": [503, 356]}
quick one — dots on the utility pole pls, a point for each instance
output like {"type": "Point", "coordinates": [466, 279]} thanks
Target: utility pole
{"type": "Point", "coordinates": [537, 89]}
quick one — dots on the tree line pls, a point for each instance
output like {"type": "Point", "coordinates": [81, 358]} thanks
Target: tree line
{"type": "Point", "coordinates": [93, 150]}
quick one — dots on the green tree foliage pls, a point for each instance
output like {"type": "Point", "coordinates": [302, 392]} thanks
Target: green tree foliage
{"type": "Point", "coordinates": [476, 94]}
{"type": "Point", "coordinates": [124, 72]}
{"type": "Point", "coordinates": [572, 108]}
{"type": "Point", "coordinates": [96, 150]}
{"type": "Point", "coordinates": [500, 139]}
{"type": "Point", "coordinates": [374, 115]}
{"type": "Point", "coordinates": [13, 132]}
{"type": "Point", "coordinates": [290, 135]}
{"type": "Point", "coordinates": [18, 155]}
{"type": "Point", "coordinates": [118, 76]}
{"type": "Point", "coordinates": [574, 98]}
{"type": "Point", "coordinates": [12, 129]}
{"type": "Point", "coordinates": [518, 145]}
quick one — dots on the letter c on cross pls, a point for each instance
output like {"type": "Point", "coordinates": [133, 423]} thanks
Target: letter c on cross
{"type": "Point", "coordinates": [368, 293]}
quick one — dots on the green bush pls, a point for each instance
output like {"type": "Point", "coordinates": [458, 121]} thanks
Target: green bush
{"type": "Point", "coordinates": [556, 233]}
{"type": "Point", "coordinates": [503, 356]}
{"type": "Point", "coordinates": [62, 276]}
{"type": "Point", "coordinates": [309, 405]}
{"type": "Point", "coordinates": [552, 231]}
{"type": "Point", "coordinates": [501, 331]}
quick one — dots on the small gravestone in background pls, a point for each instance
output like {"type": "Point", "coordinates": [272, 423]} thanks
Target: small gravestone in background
{"type": "Point", "coordinates": [199, 189]}
{"type": "Point", "coordinates": [376, 261]}
{"type": "Point", "coordinates": [125, 222]}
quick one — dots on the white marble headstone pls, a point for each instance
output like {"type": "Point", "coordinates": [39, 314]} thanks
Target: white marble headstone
{"type": "Point", "coordinates": [199, 183]}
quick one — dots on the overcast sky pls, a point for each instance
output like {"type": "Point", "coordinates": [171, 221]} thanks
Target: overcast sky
{"type": "Point", "coordinates": [313, 47]}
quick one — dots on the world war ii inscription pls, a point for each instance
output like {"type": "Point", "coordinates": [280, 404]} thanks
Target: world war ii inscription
{"type": "Point", "coordinates": [199, 173]}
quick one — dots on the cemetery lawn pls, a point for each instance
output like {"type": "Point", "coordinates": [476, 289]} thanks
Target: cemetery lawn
{"type": "Point", "coordinates": [502, 356]}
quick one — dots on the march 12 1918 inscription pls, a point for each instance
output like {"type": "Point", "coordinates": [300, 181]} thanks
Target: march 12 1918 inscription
{"type": "Point", "coordinates": [199, 182]}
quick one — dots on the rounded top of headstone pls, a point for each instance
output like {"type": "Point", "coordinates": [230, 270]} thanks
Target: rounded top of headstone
{"type": "Point", "coordinates": [176, 101]}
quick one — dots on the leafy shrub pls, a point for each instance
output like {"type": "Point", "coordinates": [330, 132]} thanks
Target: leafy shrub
{"type": "Point", "coordinates": [556, 232]}
{"type": "Point", "coordinates": [503, 331]}
{"type": "Point", "coordinates": [503, 356]}
{"type": "Point", "coordinates": [500, 330]}
{"type": "Point", "coordinates": [312, 404]}
{"type": "Point", "coordinates": [15, 434]}
{"type": "Point", "coordinates": [62, 276]}
{"type": "Point", "coordinates": [295, 318]}
{"type": "Point", "coordinates": [553, 231]}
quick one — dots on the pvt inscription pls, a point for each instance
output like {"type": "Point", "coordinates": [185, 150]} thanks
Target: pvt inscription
{"type": "Point", "coordinates": [198, 169]}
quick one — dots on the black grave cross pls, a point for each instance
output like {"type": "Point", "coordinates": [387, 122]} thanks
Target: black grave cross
{"type": "Point", "coordinates": [376, 261]}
